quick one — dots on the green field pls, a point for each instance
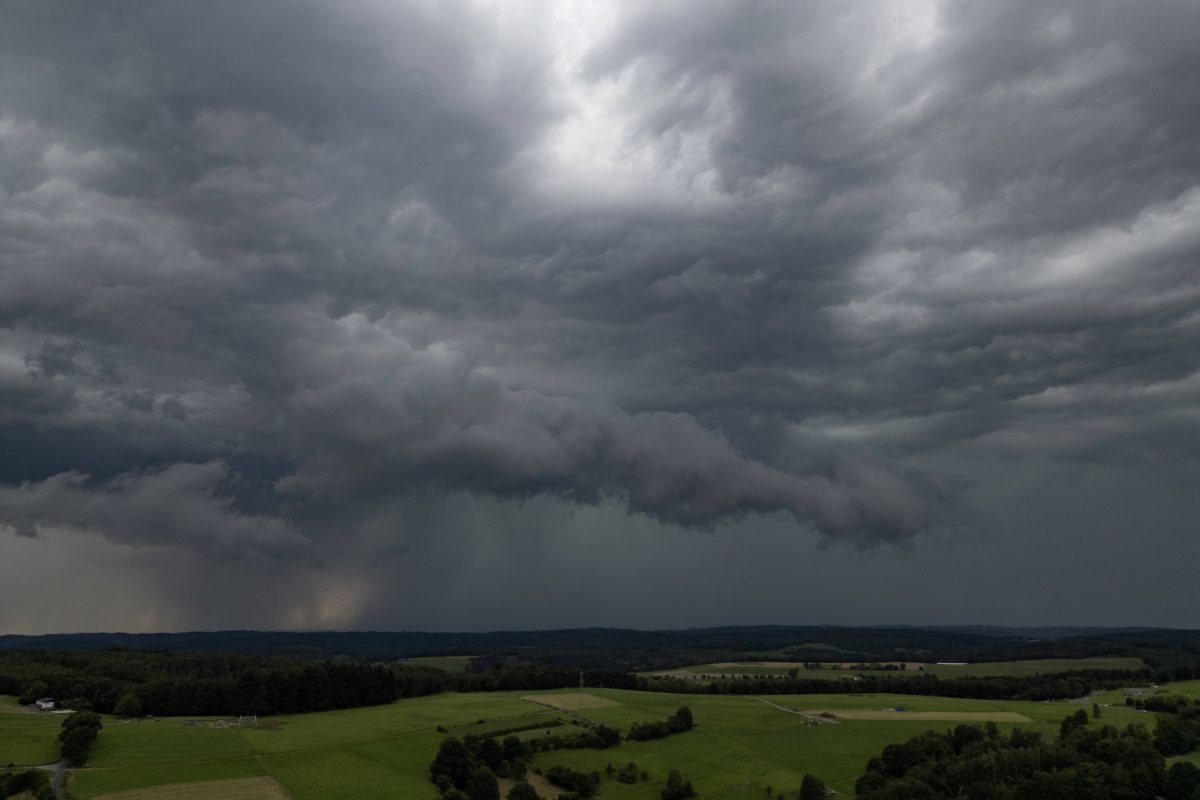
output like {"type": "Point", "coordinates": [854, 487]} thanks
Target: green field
{"type": "Point", "coordinates": [977, 670]}
{"type": "Point", "coordinates": [739, 747]}
{"type": "Point", "coordinates": [448, 663]}
{"type": "Point", "coordinates": [27, 739]}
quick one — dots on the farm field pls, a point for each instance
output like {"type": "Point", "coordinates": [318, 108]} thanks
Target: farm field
{"type": "Point", "coordinates": [740, 746]}
{"type": "Point", "coordinates": [976, 670]}
{"type": "Point", "coordinates": [1186, 688]}
{"type": "Point", "coordinates": [448, 663]}
{"type": "Point", "coordinates": [234, 789]}
{"type": "Point", "coordinates": [27, 738]}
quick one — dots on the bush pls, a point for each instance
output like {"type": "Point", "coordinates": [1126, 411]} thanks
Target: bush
{"type": "Point", "coordinates": [581, 783]}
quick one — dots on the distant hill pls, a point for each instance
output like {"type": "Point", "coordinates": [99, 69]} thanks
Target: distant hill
{"type": "Point", "coordinates": [619, 648]}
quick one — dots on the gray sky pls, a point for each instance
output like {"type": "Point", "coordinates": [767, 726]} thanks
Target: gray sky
{"type": "Point", "coordinates": [514, 314]}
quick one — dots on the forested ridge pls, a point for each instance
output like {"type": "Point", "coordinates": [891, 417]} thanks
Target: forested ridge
{"type": "Point", "coordinates": [637, 651]}
{"type": "Point", "coordinates": [131, 683]}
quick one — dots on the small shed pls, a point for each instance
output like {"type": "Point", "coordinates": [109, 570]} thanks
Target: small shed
{"type": "Point", "coordinates": [45, 704]}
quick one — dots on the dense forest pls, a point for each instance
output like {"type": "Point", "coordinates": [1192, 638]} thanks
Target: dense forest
{"type": "Point", "coordinates": [1086, 760]}
{"type": "Point", "coordinates": [132, 683]}
{"type": "Point", "coordinates": [638, 651]}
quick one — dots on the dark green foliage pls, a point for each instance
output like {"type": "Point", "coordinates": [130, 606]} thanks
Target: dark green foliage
{"type": "Point", "coordinates": [1183, 781]}
{"type": "Point", "coordinates": [677, 788]}
{"type": "Point", "coordinates": [1178, 733]}
{"type": "Point", "coordinates": [128, 705]}
{"type": "Point", "coordinates": [1077, 720]}
{"type": "Point", "coordinates": [522, 791]}
{"type": "Point", "coordinates": [34, 781]}
{"type": "Point", "coordinates": [1173, 655]}
{"type": "Point", "coordinates": [462, 763]}
{"type": "Point", "coordinates": [491, 753]}
{"type": "Point", "coordinates": [684, 715]}
{"type": "Point", "coordinates": [608, 736]}
{"type": "Point", "coordinates": [483, 785]}
{"type": "Point", "coordinates": [197, 684]}
{"type": "Point", "coordinates": [78, 732]}
{"type": "Point", "coordinates": [32, 690]}
{"type": "Point", "coordinates": [454, 762]}
{"type": "Point", "coordinates": [512, 749]}
{"type": "Point", "coordinates": [584, 784]}
{"type": "Point", "coordinates": [1098, 764]}
{"type": "Point", "coordinates": [678, 722]}
{"type": "Point", "coordinates": [528, 726]}
{"type": "Point", "coordinates": [811, 788]}
{"type": "Point", "coordinates": [628, 773]}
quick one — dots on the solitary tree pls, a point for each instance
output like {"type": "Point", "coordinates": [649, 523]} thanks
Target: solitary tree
{"type": "Point", "coordinates": [811, 788]}
{"type": "Point", "coordinates": [128, 705]}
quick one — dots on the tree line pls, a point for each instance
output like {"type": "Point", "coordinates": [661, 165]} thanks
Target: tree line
{"type": "Point", "coordinates": [678, 722]}
{"type": "Point", "coordinates": [34, 782]}
{"type": "Point", "coordinates": [131, 683]}
{"type": "Point", "coordinates": [978, 762]}
{"type": "Point", "coordinates": [1051, 686]}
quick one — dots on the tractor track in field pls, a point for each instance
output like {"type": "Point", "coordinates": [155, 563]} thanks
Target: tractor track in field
{"type": "Point", "coordinates": [813, 717]}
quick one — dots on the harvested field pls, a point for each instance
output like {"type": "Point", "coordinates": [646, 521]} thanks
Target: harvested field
{"type": "Point", "coordinates": [234, 789]}
{"type": "Point", "coordinates": [893, 715]}
{"type": "Point", "coordinates": [573, 701]}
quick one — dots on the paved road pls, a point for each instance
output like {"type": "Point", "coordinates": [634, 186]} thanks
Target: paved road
{"type": "Point", "coordinates": [58, 776]}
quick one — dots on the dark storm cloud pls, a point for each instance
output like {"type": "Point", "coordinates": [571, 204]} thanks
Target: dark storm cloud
{"type": "Point", "coordinates": [268, 268]}
{"type": "Point", "coordinates": [180, 506]}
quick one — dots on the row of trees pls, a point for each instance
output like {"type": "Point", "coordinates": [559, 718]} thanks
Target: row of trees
{"type": "Point", "coordinates": [79, 731]}
{"type": "Point", "coordinates": [583, 784]}
{"type": "Point", "coordinates": [130, 683]}
{"type": "Point", "coordinates": [32, 782]}
{"type": "Point", "coordinates": [1057, 686]}
{"type": "Point", "coordinates": [1178, 730]}
{"type": "Point", "coordinates": [138, 682]}
{"type": "Point", "coordinates": [678, 722]}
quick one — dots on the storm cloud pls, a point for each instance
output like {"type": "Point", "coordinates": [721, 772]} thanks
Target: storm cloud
{"type": "Point", "coordinates": [281, 285]}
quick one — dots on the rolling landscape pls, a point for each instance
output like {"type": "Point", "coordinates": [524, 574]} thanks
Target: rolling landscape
{"type": "Point", "coordinates": [618, 399]}
{"type": "Point", "coordinates": [223, 727]}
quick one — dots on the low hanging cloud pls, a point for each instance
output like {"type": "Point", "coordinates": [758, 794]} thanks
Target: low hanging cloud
{"type": "Point", "coordinates": [180, 506]}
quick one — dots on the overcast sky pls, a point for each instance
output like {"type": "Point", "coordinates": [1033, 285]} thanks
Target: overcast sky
{"type": "Point", "coordinates": [461, 316]}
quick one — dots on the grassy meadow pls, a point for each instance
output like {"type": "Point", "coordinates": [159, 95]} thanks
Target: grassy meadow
{"type": "Point", "coordinates": [448, 663]}
{"type": "Point", "coordinates": [740, 746]}
{"type": "Point", "coordinates": [27, 738]}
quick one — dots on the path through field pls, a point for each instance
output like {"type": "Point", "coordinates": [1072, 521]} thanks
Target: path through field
{"type": "Point", "coordinates": [58, 772]}
{"type": "Point", "coordinates": [812, 717]}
